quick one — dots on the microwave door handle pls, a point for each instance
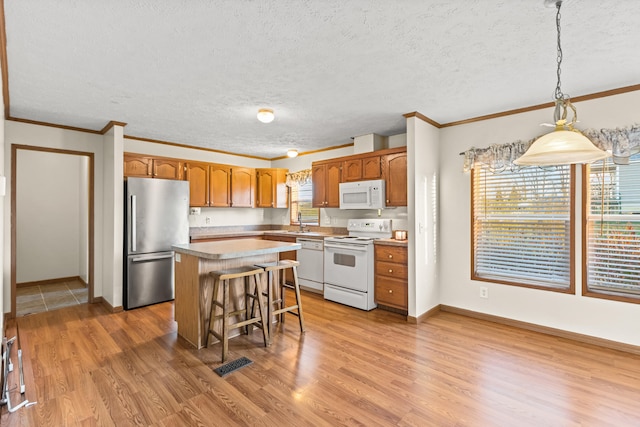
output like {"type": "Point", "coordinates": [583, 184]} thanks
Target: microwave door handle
{"type": "Point", "coordinates": [370, 196]}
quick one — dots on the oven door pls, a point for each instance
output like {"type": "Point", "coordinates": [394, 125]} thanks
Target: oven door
{"type": "Point", "coordinates": [346, 265]}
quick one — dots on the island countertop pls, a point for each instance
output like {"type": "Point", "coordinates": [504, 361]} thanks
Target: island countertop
{"type": "Point", "coordinates": [229, 249]}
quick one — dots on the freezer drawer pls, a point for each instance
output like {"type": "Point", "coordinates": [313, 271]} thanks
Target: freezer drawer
{"type": "Point", "coordinates": [149, 279]}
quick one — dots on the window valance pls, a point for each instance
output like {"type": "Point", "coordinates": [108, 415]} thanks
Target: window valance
{"type": "Point", "coordinates": [622, 143]}
{"type": "Point", "coordinates": [298, 178]}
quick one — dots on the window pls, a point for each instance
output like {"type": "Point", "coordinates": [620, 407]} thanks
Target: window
{"type": "Point", "coordinates": [522, 231]}
{"type": "Point", "coordinates": [301, 196]}
{"type": "Point", "coordinates": [612, 206]}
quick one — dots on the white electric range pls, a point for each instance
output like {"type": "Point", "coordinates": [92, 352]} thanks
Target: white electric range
{"type": "Point", "coordinates": [349, 263]}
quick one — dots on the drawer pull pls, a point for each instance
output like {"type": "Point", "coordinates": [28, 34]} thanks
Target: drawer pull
{"type": "Point", "coordinates": [390, 271]}
{"type": "Point", "coordinates": [390, 256]}
{"type": "Point", "coordinates": [390, 291]}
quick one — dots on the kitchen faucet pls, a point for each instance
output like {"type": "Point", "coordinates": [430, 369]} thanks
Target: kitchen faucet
{"type": "Point", "coordinates": [300, 222]}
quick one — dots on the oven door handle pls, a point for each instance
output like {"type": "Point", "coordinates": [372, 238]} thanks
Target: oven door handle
{"type": "Point", "coordinates": [348, 247]}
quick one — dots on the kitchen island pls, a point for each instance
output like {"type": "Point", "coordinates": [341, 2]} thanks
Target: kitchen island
{"type": "Point", "coordinates": [194, 287]}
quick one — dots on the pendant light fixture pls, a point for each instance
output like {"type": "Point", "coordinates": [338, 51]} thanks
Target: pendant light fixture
{"type": "Point", "coordinates": [565, 145]}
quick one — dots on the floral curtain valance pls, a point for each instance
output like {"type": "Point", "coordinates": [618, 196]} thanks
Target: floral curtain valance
{"type": "Point", "coordinates": [298, 178]}
{"type": "Point", "coordinates": [622, 143]}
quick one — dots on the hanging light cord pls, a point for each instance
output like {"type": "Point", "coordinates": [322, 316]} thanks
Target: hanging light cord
{"type": "Point", "coordinates": [559, 94]}
{"type": "Point", "coordinates": [563, 102]}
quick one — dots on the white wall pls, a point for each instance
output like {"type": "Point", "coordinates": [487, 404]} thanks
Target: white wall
{"type": "Point", "coordinates": [48, 218]}
{"type": "Point", "coordinates": [617, 321]}
{"type": "Point", "coordinates": [3, 204]}
{"type": "Point", "coordinates": [422, 192]}
{"type": "Point", "coordinates": [83, 214]}
{"type": "Point", "coordinates": [45, 136]}
{"type": "Point", "coordinates": [113, 231]}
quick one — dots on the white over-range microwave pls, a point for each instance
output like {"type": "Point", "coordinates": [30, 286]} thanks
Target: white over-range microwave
{"type": "Point", "coordinates": [362, 194]}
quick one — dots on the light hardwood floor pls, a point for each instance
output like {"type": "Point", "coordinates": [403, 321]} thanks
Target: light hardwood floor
{"type": "Point", "coordinates": [85, 366]}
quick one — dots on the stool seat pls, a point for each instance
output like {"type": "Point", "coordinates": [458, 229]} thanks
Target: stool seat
{"type": "Point", "coordinates": [222, 278]}
{"type": "Point", "coordinates": [279, 265]}
{"type": "Point", "coordinates": [234, 273]}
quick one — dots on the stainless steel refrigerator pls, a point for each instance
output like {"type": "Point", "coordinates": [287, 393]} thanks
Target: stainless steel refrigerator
{"type": "Point", "coordinates": [156, 217]}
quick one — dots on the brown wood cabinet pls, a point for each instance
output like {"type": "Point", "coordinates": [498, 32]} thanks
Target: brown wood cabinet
{"type": "Point", "coordinates": [271, 188]}
{"type": "Point", "coordinates": [391, 277]}
{"type": "Point", "coordinates": [243, 187]}
{"type": "Point", "coordinates": [137, 165]}
{"type": "Point", "coordinates": [326, 184]}
{"type": "Point", "coordinates": [361, 169]}
{"type": "Point", "coordinates": [285, 255]}
{"type": "Point", "coordinates": [198, 175]}
{"type": "Point", "coordinates": [219, 185]}
{"type": "Point", "coordinates": [394, 172]}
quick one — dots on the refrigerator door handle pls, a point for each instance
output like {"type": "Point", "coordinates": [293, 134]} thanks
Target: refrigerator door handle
{"type": "Point", "coordinates": [133, 223]}
{"type": "Point", "coordinates": [151, 258]}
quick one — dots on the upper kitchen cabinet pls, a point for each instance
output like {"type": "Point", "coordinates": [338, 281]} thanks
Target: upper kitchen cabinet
{"type": "Point", "coordinates": [271, 188]}
{"type": "Point", "coordinates": [219, 185]}
{"type": "Point", "coordinates": [394, 172]}
{"type": "Point", "coordinates": [243, 185]}
{"type": "Point", "coordinates": [198, 176]}
{"type": "Point", "coordinates": [361, 169]}
{"type": "Point", "coordinates": [326, 184]}
{"type": "Point", "coordinates": [151, 167]}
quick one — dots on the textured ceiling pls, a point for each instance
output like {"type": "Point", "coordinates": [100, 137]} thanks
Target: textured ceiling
{"type": "Point", "coordinates": [195, 72]}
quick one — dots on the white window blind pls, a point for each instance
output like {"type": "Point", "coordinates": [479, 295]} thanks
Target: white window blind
{"type": "Point", "coordinates": [522, 226]}
{"type": "Point", "coordinates": [301, 197]}
{"type": "Point", "coordinates": [613, 229]}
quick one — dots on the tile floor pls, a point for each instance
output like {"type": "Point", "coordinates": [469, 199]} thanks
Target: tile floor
{"type": "Point", "coordinates": [39, 298]}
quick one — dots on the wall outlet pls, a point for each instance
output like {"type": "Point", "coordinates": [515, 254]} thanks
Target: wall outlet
{"type": "Point", "coordinates": [484, 292]}
{"type": "Point", "coordinates": [207, 220]}
{"type": "Point", "coordinates": [194, 211]}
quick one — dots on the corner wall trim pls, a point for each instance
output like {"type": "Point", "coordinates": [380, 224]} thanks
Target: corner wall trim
{"type": "Point", "coordinates": [585, 339]}
{"type": "Point", "coordinates": [424, 316]}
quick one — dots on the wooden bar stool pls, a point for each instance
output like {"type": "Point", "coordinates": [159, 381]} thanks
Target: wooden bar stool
{"type": "Point", "coordinates": [280, 301]}
{"type": "Point", "coordinates": [223, 278]}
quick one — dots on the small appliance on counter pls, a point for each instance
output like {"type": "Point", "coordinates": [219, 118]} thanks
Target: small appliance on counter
{"type": "Point", "coordinates": [400, 234]}
{"type": "Point", "coordinates": [349, 263]}
{"type": "Point", "coordinates": [156, 217]}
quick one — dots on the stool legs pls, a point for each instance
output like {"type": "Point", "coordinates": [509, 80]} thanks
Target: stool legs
{"type": "Point", "coordinates": [296, 286]}
{"type": "Point", "coordinates": [223, 279]}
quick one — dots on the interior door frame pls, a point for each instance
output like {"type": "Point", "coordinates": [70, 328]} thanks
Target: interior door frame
{"type": "Point", "coordinates": [91, 232]}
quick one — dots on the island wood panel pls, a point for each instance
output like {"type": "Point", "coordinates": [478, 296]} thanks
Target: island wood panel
{"type": "Point", "coordinates": [193, 300]}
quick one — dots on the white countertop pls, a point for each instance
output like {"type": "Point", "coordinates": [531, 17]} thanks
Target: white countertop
{"type": "Point", "coordinates": [227, 249]}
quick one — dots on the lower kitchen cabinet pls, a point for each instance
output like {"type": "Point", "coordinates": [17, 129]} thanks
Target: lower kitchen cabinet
{"type": "Point", "coordinates": [391, 277]}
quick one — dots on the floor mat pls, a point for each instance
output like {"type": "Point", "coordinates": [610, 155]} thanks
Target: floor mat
{"type": "Point", "coordinates": [234, 365]}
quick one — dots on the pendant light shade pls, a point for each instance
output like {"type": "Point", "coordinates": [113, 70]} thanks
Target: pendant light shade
{"type": "Point", "coordinates": [561, 147]}
{"type": "Point", "coordinates": [565, 145]}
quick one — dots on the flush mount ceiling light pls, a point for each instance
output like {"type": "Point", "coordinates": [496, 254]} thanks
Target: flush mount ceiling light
{"type": "Point", "coordinates": [265, 115]}
{"type": "Point", "coordinates": [565, 145]}
{"type": "Point", "coordinates": [292, 153]}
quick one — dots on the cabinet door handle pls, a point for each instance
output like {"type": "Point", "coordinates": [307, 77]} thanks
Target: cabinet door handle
{"type": "Point", "coordinates": [390, 291]}
{"type": "Point", "coordinates": [390, 271]}
{"type": "Point", "coordinates": [390, 256]}
{"type": "Point", "coordinates": [387, 200]}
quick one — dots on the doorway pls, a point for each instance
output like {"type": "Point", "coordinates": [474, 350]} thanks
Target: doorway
{"type": "Point", "coordinates": [52, 228]}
